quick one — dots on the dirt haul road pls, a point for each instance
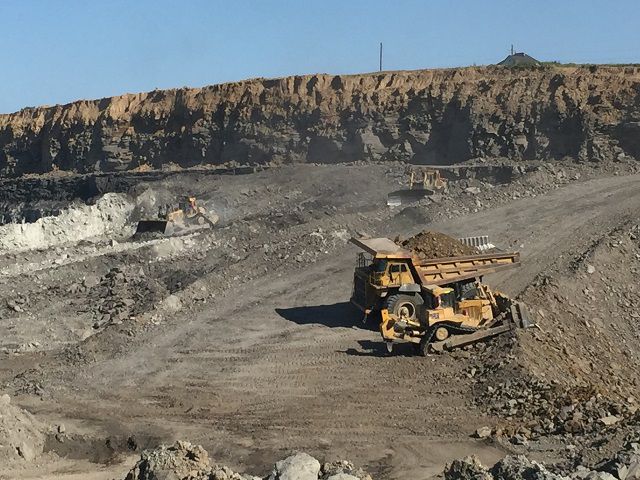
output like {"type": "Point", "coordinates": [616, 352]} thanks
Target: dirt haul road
{"type": "Point", "coordinates": [281, 361]}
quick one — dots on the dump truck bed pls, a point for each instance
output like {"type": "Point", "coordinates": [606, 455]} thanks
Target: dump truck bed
{"type": "Point", "coordinates": [441, 271]}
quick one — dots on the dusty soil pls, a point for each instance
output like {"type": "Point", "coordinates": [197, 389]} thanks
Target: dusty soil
{"type": "Point", "coordinates": [242, 339]}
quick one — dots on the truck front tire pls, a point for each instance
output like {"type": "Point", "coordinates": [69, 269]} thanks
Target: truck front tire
{"type": "Point", "coordinates": [403, 307]}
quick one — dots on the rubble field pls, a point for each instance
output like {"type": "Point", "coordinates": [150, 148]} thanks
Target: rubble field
{"type": "Point", "coordinates": [216, 353]}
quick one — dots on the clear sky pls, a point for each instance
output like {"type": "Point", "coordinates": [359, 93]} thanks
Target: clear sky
{"type": "Point", "coordinates": [57, 51]}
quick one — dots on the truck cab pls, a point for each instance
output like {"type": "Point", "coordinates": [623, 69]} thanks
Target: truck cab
{"type": "Point", "coordinates": [389, 273]}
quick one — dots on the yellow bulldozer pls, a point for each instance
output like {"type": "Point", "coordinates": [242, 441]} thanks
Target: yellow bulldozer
{"type": "Point", "coordinates": [422, 182]}
{"type": "Point", "coordinates": [186, 217]}
{"type": "Point", "coordinates": [437, 304]}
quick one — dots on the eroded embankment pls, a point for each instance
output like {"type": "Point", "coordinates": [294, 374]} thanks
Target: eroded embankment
{"type": "Point", "coordinates": [424, 116]}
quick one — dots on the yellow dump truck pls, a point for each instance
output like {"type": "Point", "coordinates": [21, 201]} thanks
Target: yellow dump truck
{"type": "Point", "coordinates": [437, 304]}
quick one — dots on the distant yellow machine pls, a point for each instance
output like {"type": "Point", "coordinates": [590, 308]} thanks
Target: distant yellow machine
{"type": "Point", "coordinates": [422, 182]}
{"type": "Point", "coordinates": [186, 217]}
{"type": "Point", "coordinates": [436, 304]}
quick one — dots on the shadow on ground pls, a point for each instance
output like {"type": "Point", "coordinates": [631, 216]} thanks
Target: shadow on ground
{"type": "Point", "coordinates": [379, 349]}
{"type": "Point", "coordinates": [342, 314]}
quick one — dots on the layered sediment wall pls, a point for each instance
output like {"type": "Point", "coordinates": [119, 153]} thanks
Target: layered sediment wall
{"type": "Point", "coordinates": [424, 117]}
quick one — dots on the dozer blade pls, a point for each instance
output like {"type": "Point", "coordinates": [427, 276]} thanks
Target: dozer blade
{"type": "Point", "coordinates": [155, 226]}
{"type": "Point", "coordinates": [456, 341]}
{"type": "Point", "coordinates": [403, 197]}
{"type": "Point", "coordinates": [520, 315]}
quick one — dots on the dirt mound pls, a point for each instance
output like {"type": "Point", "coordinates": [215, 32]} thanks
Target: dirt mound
{"type": "Point", "coordinates": [587, 311]}
{"type": "Point", "coordinates": [21, 436]}
{"type": "Point", "coordinates": [186, 461]}
{"type": "Point", "coordinates": [428, 244]}
{"type": "Point", "coordinates": [575, 378]}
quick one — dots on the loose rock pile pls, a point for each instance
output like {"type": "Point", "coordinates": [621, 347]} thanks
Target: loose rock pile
{"type": "Point", "coordinates": [548, 409]}
{"type": "Point", "coordinates": [532, 406]}
{"type": "Point", "coordinates": [183, 461]}
{"type": "Point", "coordinates": [624, 465]}
{"type": "Point", "coordinates": [428, 244]}
{"type": "Point", "coordinates": [121, 294]}
{"type": "Point", "coordinates": [510, 467]}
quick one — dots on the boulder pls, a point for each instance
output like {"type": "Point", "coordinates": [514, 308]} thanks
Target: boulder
{"type": "Point", "coordinates": [176, 462]}
{"type": "Point", "coordinates": [483, 432]}
{"type": "Point", "coordinates": [300, 466]}
{"type": "Point", "coordinates": [519, 467]}
{"type": "Point", "coordinates": [609, 420]}
{"type": "Point", "coordinates": [593, 475]}
{"type": "Point", "coordinates": [467, 468]}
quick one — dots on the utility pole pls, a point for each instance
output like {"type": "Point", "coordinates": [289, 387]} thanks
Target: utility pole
{"type": "Point", "coordinates": [512, 49]}
{"type": "Point", "coordinates": [380, 56]}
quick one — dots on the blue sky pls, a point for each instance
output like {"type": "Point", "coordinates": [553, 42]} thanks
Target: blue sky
{"type": "Point", "coordinates": [57, 51]}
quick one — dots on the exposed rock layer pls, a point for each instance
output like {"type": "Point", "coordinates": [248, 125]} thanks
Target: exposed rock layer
{"type": "Point", "coordinates": [426, 116]}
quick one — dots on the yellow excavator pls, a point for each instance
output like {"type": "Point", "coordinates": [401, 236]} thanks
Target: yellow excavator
{"type": "Point", "coordinates": [437, 304]}
{"type": "Point", "coordinates": [188, 216]}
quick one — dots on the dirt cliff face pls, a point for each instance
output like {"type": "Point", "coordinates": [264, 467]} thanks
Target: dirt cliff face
{"type": "Point", "coordinates": [426, 117]}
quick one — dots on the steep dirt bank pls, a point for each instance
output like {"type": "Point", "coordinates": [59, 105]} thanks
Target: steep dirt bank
{"type": "Point", "coordinates": [427, 116]}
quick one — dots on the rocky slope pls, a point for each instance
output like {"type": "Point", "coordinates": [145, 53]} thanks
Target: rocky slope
{"type": "Point", "coordinates": [427, 116]}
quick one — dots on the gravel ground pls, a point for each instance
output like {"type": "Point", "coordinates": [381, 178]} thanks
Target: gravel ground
{"type": "Point", "coordinates": [242, 339]}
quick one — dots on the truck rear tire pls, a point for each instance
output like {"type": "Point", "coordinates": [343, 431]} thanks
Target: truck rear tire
{"type": "Point", "coordinates": [403, 306]}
